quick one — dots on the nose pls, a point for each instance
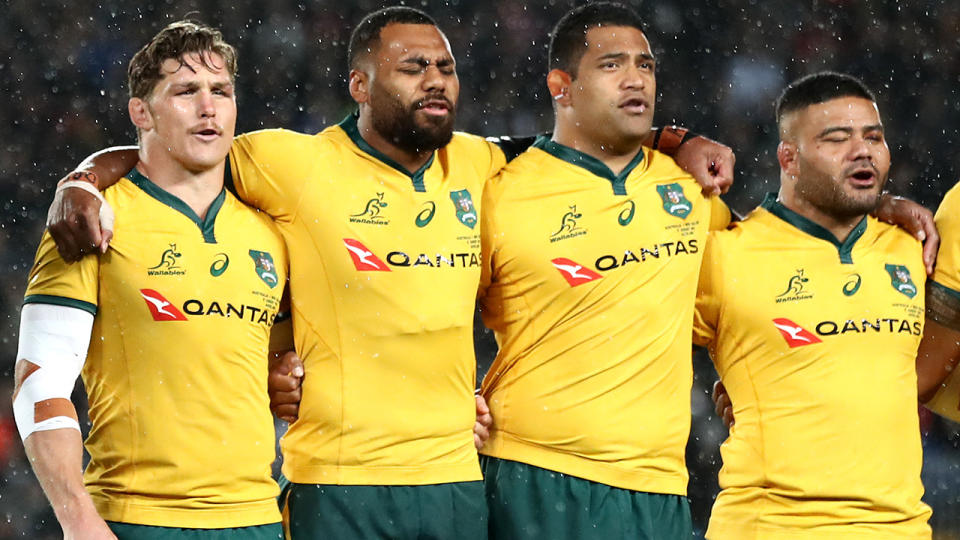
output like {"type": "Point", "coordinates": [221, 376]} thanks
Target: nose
{"type": "Point", "coordinates": [860, 149]}
{"type": "Point", "coordinates": [634, 78]}
{"type": "Point", "coordinates": [434, 80]}
{"type": "Point", "coordinates": [205, 106]}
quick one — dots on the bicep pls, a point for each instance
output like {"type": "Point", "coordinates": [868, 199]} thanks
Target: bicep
{"type": "Point", "coordinates": [51, 352]}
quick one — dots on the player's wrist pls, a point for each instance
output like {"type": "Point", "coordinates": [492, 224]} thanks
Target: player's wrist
{"type": "Point", "coordinates": [89, 177]}
{"type": "Point", "coordinates": [669, 139]}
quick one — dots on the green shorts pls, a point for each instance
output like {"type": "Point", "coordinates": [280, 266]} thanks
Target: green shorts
{"type": "Point", "coordinates": [528, 502]}
{"type": "Point", "coordinates": [129, 531]}
{"type": "Point", "coordinates": [432, 512]}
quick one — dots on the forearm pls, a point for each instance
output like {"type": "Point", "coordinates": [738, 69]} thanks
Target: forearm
{"type": "Point", "coordinates": [56, 457]}
{"type": "Point", "coordinates": [106, 167]}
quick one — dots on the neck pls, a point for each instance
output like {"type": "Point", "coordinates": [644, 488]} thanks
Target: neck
{"type": "Point", "coordinates": [839, 227]}
{"type": "Point", "coordinates": [411, 161]}
{"type": "Point", "coordinates": [197, 189]}
{"type": "Point", "coordinates": [615, 155]}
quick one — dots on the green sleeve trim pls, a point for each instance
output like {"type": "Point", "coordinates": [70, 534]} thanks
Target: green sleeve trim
{"type": "Point", "coordinates": [61, 301]}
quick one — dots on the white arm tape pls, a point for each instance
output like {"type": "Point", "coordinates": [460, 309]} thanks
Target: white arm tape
{"type": "Point", "coordinates": [55, 338]}
{"type": "Point", "coordinates": [106, 211]}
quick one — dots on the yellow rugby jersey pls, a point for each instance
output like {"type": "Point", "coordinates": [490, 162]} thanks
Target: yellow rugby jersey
{"type": "Point", "coordinates": [589, 284]}
{"type": "Point", "coordinates": [815, 341]}
{"type": "Point", "coordinates": [176, 373]}
{"type": "Point", "coordinates": [947, 277]}
{"type": "Point", "coordinates": [384, 272]}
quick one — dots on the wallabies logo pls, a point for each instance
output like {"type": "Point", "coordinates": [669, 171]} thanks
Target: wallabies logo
{"type": "Point", "coordinates": [674, 201]}
{"type": "Point", "coordinates": [900, 279]}
{"type": "Point", "coordinates": [264, 267]}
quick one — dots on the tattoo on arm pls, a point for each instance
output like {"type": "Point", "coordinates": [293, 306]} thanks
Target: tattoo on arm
{"type": "Point", "coordinates": [943, 306]}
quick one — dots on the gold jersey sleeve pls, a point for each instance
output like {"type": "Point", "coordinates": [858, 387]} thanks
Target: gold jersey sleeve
{"type": "Point", "coordinates": [815, 341]}
{"type": "Point", "coordinates": [176, 370]}
{"type": "Point", "coordinates": [589, 283]}
{"type": "Point", "coordinates": [53, 281]}
{"type": "Point", "coordinates": [385, 265]}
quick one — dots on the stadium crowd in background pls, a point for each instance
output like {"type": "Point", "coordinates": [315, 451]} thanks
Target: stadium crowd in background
{"type": "Point", "coordinates": [63, 65]}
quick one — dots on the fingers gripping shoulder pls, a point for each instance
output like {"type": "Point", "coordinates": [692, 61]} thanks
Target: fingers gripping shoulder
{"type": "Point", "coordinates": [52, 349]}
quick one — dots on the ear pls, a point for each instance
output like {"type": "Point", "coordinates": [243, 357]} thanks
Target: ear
{"type": "Point", "coordinates": [787, 157]}
{"type": "Point", "coordinates": [140, 114]}
{"type": "Point", "coordinates": [558, 82]}
{"type": "Point", "coordinates": [359, 86]}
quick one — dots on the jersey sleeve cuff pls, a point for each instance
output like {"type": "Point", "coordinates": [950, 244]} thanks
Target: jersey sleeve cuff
{"type": "Point", "coordinates": [61, 301]}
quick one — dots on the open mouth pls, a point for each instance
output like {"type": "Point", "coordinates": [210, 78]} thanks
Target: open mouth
{"type": "Point", "coordinates": [634, 105]}
{"type": "Point", "coordinates": [435, 107]}
{"type": "Point", "coordinates": [863, 177]}
{"type": "Point", "coordinates": [207, 134]}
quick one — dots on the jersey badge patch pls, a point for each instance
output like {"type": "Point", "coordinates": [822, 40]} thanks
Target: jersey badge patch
{"type": "Point", "coordinates": [160, 308]}
{"type": "Point", "coordinates": [794, 334]}
{"type": "Point", "coordinates": [574, 273]}
{"type": "Point", "coordinates": [264, 267]}
{"type": "Point", "coordinates": [466, 212]}
{"type": "Point", "coordinates": [363, 258]}
{"type": "Point", "coordinates": [674, 201]}
{"type": "Point", "coordinates": [900, 279]}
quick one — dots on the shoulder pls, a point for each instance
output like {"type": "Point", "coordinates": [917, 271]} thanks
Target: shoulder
{"type": "Point", "coordinates": [892, 237]}
{"type": "Point", "coordinates": [659, 164]}
{"type": "Point", "coordinates": [281, 139]}
{"type": "Point", "coordinates": [482, 154]}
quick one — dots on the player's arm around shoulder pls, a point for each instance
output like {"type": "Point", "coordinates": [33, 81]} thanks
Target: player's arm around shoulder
{"type": "Point", "coordinates": [270, 168]}
{"type": "Point", "coordinates": [937, 383]}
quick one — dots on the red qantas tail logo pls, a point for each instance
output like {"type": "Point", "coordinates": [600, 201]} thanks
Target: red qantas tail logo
{"type": "Point", "coordinates": [363, 258]}
{"type": "Point", "coordinates": [794, 334]}
{"type": "Point", "coordinates": [574, 273]}
{"type": "Point", "coordinates": [160, 307]}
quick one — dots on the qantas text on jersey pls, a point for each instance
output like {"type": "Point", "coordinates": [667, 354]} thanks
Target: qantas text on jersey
{"type": "Point", "coordinates": [365, 260]}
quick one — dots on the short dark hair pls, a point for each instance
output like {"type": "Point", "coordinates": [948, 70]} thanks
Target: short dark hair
{"type": "Point", "coordinates": [818, 88]}
{"type": "Point", "coordinates": [366, 35]}
{"type": "Point", "coordinates": [568, 38]}
{"type": "Point", "coordinates": [174, 41]}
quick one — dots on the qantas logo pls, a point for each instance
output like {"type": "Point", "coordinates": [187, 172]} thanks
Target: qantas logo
{"type": "Point", "coordinates": [574, 273]}
{"type": "Point", "coordinates": [363, 258]}
{"type": "Point", "coordinates": [794, 334]}
{"type": "Point", "coordinates": [160, 307]}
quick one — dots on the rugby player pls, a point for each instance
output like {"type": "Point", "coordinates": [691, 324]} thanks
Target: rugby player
{"type": "Point", "coordinates": [170, 328]}
{"type": "Point", "coordinates": [817, 351]}
{"type": "Point", "coordinates": [592, 245]}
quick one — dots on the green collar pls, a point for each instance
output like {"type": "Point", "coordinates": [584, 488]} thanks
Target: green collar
{"type": "Point", "coordinates": [844, 248]}
{"type": "Point", "coordinates": [349, 125]}
{"type": "Point", "coordinates": [590, 163]}
{"type": "Point", "coordinates": [158, 193]}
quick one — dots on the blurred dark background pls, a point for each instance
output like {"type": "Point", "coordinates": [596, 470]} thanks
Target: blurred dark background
{"type": "Point", "coordinates": [721, 65]}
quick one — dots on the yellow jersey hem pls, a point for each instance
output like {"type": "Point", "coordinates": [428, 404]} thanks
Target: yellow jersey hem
{"type": "Point", "coordinates": [719, 529]}
{"type": "Point", "coordinates": [214, 516]}
{"type": "Point", "coordinates": [381, 476]}
{"type": "Point", "coordinates": [504, 446]}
